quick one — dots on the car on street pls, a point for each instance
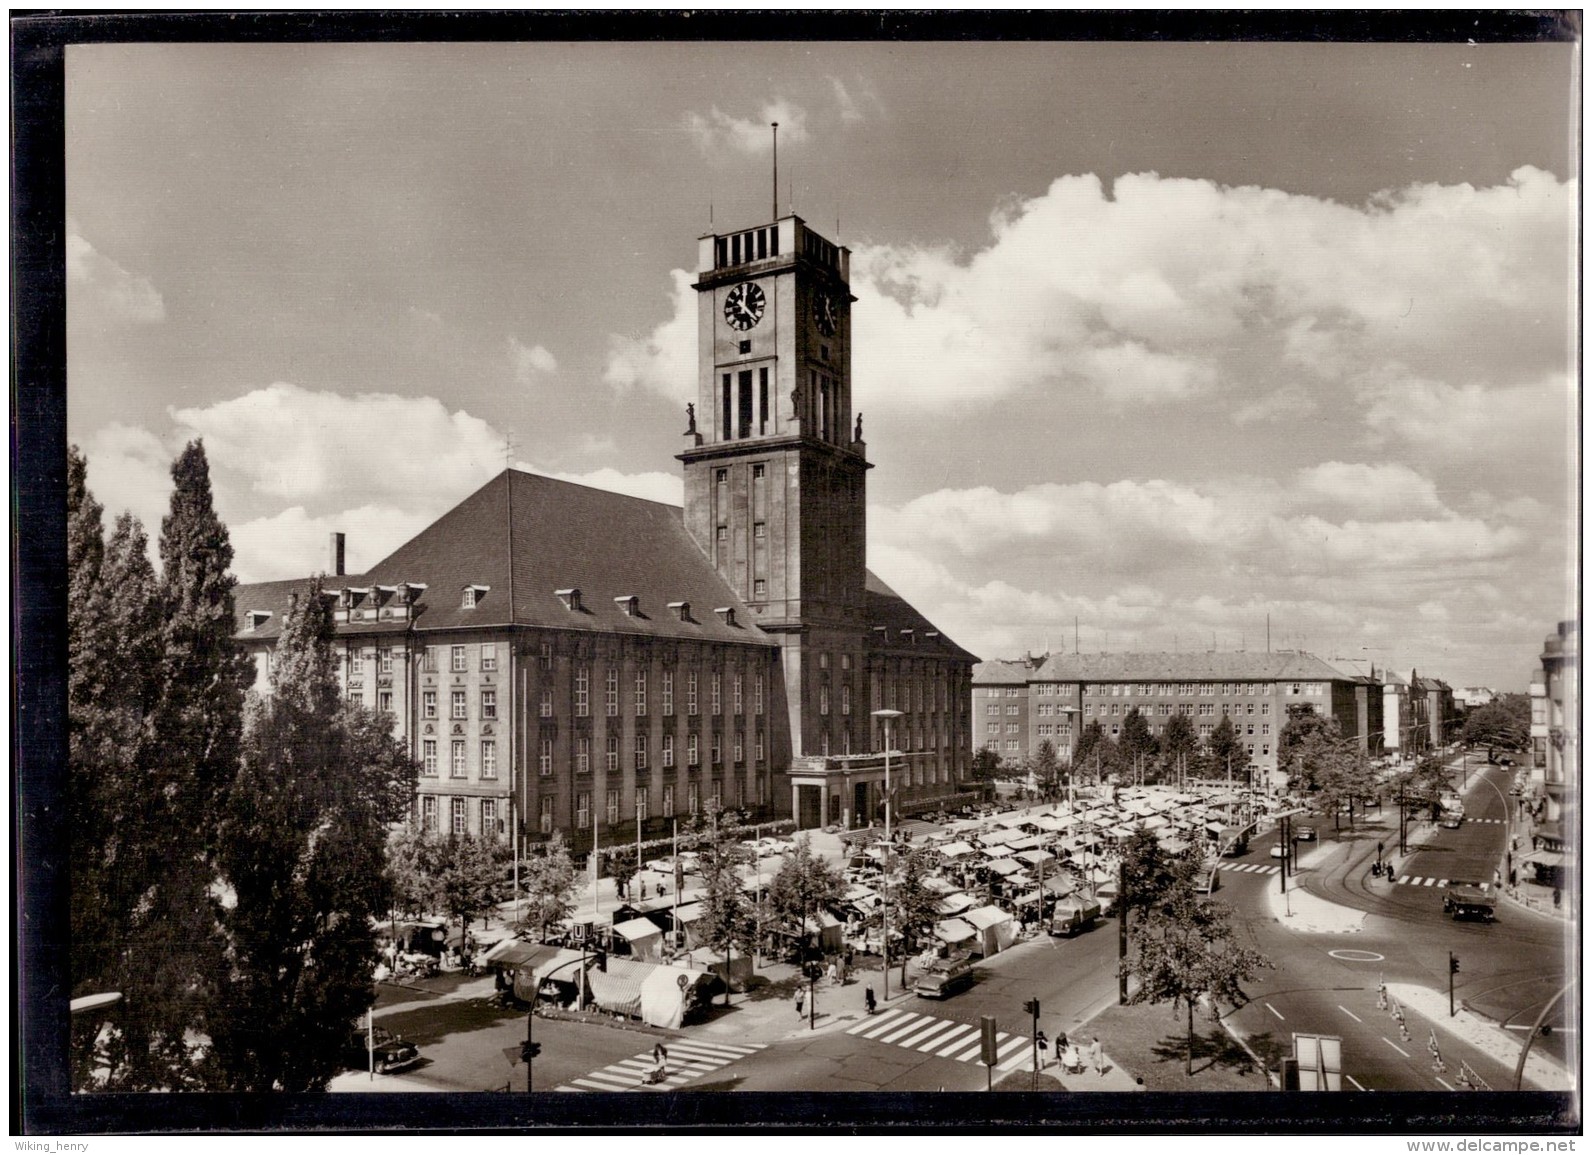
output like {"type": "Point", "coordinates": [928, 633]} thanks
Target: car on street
{"type": "Point", "coordinates": [380, 1048]}
{"type": "Point", "coordinates": [1278, 850]}
{"type": "Point", "coordinates": [1469, 900]}
{"type": "Point", "coordinates": [944, 977]}
{"type": "Point", "coordinates": [1306, 834]}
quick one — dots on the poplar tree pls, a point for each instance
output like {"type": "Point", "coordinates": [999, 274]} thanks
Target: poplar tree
{"type": "Point", "coordinates": [549, 882]}
{"type": "Point", "coordinates": [301, 845]}
{"type": "Point", "coordinates": [803, 883]}
{"type": "Point", "coordinates": [139, 911]}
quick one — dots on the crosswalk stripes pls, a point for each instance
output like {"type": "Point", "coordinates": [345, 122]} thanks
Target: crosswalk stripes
{"type": "Point", "coordinates": [943, 1038]}
{"type": "Point", "coordinates": [1420, 880]}
{"type": "Point", "coordinates": [688, 1059]}
{"type": "Point", "coordinates": [1250, 867]}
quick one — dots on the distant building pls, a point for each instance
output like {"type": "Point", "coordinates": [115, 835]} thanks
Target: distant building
{"type": "Point", "coordinates": [1065, 692]}
{"type": "Point", "coordinates": [1434, 717]}
{"type": "Point", "coordinates": [1561, 700]}
{"type": "Point", "coordinates": [1472, 696]}
{"type": "Point", "coordinates": [1396, 716]}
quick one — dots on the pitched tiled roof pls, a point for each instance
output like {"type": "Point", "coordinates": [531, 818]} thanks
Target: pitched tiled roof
{"type": "Point", "coordinates": [997, 672]}
{"type": "Point", "coordinates": [568, 536]}
{"type": "Point", "coordinates": [564, 536]}
{"type": "Point", "coordinates": [889, 609]}
{"type": "Point", "coordinates": [1214, 665]}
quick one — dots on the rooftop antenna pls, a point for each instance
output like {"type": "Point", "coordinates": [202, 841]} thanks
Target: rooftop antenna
{"type": "Point", "coordinates": [508, 450]}
{"type": "Point", "coordinates": [1075, 637]}
{"type": "Point", "coordinates": [776, 170]}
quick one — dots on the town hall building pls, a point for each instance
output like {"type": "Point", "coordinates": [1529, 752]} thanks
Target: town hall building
{"type": "Point", "coordinates": [562, 658]}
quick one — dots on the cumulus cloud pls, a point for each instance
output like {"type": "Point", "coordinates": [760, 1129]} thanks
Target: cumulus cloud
{"type": "Point", "coordinates": [96, 281]}
{"type": "Point", "coordinates": [303, 445]}
{"type": "Point", "coordinates": [291, 465]}
{"type": "Point", "coordinates": [294, 543]}
{"type": "Point", "coordinates": [1164, 292]}
{"type": "Point", "coordinates": [529, 360]}
{"type": "Point", "coordinates": [129, 470]}
{"type": "Point", "coordinates": [664, 361]}
{"type": "Point", "coordinates": [719, 130]}
{"type": "Point", "coordinates": [1340, 550]}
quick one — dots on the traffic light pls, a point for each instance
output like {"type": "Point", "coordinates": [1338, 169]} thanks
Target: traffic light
{"type": "Point", "coordinates": [1032, 1007]}
{"type": "Point", "coordinates": [529, 1051]}
{"type": "Point", "coordinates": [1453, 965]}
{"type": "Point", "coordinates": [601, 959]}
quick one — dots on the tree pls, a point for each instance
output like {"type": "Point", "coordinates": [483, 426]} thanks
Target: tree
{"type": "Point", "coordinates": [301, 845]}
{"type": "Point", "coordinates": [1229, 755]}
{"type": "Point", "coordinates": [914, 908]}
{"type": "Point", "coordinates": [728, 919]}
{"type": "Point", "coordinates": [1185, 951]}
{"type": "Point", "coordinates": [1502, 724]}
{"type": "Point", "coordinates": [1137, 745]}
{"type": "Point", "coordinates": [1044, 768]}
{"type": "Point", "coordinates": [622, 866]}
{"type": "Point", "coordinates": [412, 870]}
{"type": "Point", "coordinates": [120, 847]}
{"type": "Point", "coordinates": [548, 880]}
{"type": "Point", "coordinates": [985, 768]}
{"type": "Point", "coordinates": [469, 877]}
{"type": "Point", "coordinates": [1305, 744]}
{"type": "Point", "coordinates": [1092, 749]}
{"type": "Point", "coordinates": [803, 885]}
{"type": "Point", "coordinates": [1179, 746]}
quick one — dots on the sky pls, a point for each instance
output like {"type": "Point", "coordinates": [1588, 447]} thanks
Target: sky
{"type": "Point", "coordinates": [1153, 342]}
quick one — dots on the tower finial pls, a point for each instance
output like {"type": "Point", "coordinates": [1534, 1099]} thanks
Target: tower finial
{"type": "Point", "coordinates": [776, 170]}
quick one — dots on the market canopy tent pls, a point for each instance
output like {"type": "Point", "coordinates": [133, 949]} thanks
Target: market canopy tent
{"type": "Point", "coordinates": [644, 937]}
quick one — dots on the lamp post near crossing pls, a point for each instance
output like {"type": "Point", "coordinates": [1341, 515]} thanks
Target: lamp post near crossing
{"type": "Point", "coordinates": [887, 716]}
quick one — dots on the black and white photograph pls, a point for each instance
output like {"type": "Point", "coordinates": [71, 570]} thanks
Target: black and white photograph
{"type": "Point", "coordinates": [577, 574]}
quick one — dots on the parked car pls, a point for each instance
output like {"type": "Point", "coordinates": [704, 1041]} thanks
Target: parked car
{"type": "Point", "coordinates": [1306, 834]}
{"type": "Point", "coordinates": [944, 977]}
{"type": "Point", "coordinates": [1452, 819]}
{"type": "Point", "coordinates": [390, 1052]}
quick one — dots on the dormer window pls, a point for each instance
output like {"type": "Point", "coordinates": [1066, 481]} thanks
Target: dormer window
{"type": "Point", "coordinates": [384, 594]}
{"type": "Point", "coordinates": [412, 591]}
{"type": "Point", "coordinates": [726, 614]}
{"type": "Point", "coordinates": [630, 604]}
{"type": "Point", "coordinates": [258, 618]}
{"type": "Point", "coordinates": [931, 633]}
{"type": "Point", "coordinates": [473, 595]}
{"type": "Point", "coordinates": [570, 598]}
{"type": "Point", "coordinates": [910, 636]}
{"type": "Point", "coordinates": [682, 610]}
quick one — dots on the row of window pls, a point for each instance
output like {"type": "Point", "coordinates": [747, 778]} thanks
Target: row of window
{"type": "Point", "coordinates": [459, 815]}
{"type": "Point", "coordinates": [1169, 689]}
{"type": "Point", "coordinates": [1013, 746]}
{"type": "Point", "coordinates": [641, 751]}
{"type": "Point", "coordinates": [1165, 709]}
{"type": "Point", "coordinates": [666, 695]}
{"type": "Point", "coordinates": [458, 761]}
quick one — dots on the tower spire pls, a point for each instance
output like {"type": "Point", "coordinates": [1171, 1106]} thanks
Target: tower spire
{"type": "Point", "coordinates": [776, 170]}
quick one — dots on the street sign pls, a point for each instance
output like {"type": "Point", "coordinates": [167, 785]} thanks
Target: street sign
{"type": "Point", "coordinates": [1320, 1059]}
{"type": "Point", "coordinates": [512, 1054]}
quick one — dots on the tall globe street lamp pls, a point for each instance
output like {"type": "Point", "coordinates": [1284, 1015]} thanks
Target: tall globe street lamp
{"type": "Point", "coordinates": [887, 716]}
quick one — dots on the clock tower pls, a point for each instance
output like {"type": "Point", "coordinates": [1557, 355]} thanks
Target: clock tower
{"type": "Point", "coordinates": [775, 468]}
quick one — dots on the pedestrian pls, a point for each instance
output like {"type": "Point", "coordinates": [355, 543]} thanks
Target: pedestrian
{"type": "Point", "coordinates": [660, 1056]}
{"type": "Point", "coordinates": [801, 997]}
{"type": "Point", "coordinates": [1096, 1058]}
{"type": "Point", "coordinates": [1041, 1049]}
{"type": "Point", "coordinates": [869, 1000]}
{"type": "Point", "coordinates": [643, 890]}
{"type": "Point", "coordinates": [1061, 1047]}
{"type": "Point", "coordinates": [1514, 878]}
{"type": "Point", "coordinates": [1497, 876]}
{"type": "Point", "coordinates": [834, 974]}
{"type": "Point", "coordinates": [1556, 898]}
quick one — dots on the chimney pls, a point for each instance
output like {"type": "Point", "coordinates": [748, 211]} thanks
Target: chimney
{"type": "Point", "coordinates": [336, 560]}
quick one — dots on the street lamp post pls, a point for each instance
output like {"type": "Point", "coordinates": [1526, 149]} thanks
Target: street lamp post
{"type": "Point", "coordinates": [887, 716]}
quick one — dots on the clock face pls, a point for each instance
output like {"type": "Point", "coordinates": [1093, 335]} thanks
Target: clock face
{"type": "Point", "coordinates": [824, 313]}
{"type": "Point", "coordinates": [743, 306]}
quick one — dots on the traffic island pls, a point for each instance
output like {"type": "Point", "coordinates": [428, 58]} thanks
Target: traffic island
{"type": "Point", "coordinates": [1147, 1045]}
